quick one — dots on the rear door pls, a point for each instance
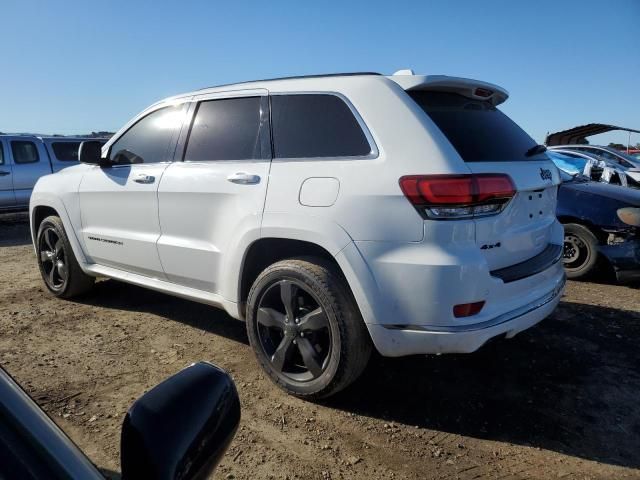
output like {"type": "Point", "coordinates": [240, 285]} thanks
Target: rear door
{"type": "Point", "coordinates": [30, 162]}
{"type": "Point", "coordinates": [490, 142]}
{"type": "Point", "coordinates": [216, 194]}
{"type": "Point", "coordinates": [7, 198]}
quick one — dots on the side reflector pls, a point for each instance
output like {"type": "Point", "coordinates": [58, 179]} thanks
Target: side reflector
{"type": "Point", "coordinates": [467, 309]}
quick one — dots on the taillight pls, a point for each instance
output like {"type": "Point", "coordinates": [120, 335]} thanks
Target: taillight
{"type": "Point", "coordinates": [447, 197]}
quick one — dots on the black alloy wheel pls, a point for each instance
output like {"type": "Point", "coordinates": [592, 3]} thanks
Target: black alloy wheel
{"type": "Point", "coordinates": [293, 330]}
{"type": "Point", "coordinates": [57, 262]}
{"type": "Point", "coordinates": [305, 327]}
{"type": "Point", "coordinates": [53, 259]}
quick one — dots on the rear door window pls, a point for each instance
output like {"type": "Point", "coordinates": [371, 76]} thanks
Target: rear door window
{"type": "Point", "coordinates": [66, 151]}
{"type": "Point", "coordinates": [1, 154]}
{"type": "Point", "coordinates": [477, 130]}
{"type": "Point", "coordinates": [24, 152]}
{"type": "Point", "coordinates": [315, 126]}
{"type": "Point", "coordinates": [226, 129]}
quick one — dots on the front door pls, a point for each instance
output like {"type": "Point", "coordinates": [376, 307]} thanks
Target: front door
{"type": "Point", "coordinates": [212, 198]}
{"type": "Point", "coordinates": [7, 198]}
{"type": "Point", "coordinates": [119, 203]}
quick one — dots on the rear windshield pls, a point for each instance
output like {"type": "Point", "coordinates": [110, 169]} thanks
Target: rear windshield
{"type": "Point", "coordinates": [66, 151]}
{"type": "Point", "coordinates": [476, 129]}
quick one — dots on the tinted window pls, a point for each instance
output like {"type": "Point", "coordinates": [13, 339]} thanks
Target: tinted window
{"type": "Point", "coordinates": [227, 129]}
{"type": "Point", "coordinates": [1, 154]}
{"type": "Point", "coordinates": [308, 126]}
{"type": "Point", "coordinates": [24, 152]}
{"type": "Point", "coordinates": [66, 151]}
{"type": "Point", "coordinates": [149, 139]}
{"type": "Point", "coordinates": [476, 129]}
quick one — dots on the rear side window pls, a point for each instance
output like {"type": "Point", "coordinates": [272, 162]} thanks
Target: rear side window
{"type": "Point", "coordinates": [148, 140]}
{"type": "Point", "coordinates": [66, 151]}
{"type": "Point", "coordinates": [477, 130]}
{"type": "Point", "coordinates": [315, 125]}
{"type": "Point", "coordinates": [24, 152]}
{"type": "Point", "coordinates": [226, 129]}
{"type": "Point", "coordinates": [1, 154]}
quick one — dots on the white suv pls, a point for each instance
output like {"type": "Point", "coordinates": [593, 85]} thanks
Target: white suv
{"type": "Point", "coordinates": [334, 213]}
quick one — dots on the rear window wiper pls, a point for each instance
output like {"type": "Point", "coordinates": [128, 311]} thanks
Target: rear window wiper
{"type": "Point", "coordinates": [535, 150]}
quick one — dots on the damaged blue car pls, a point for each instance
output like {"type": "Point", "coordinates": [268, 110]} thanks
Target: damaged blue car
{"type": "Point", "coordinates": [601, 224]}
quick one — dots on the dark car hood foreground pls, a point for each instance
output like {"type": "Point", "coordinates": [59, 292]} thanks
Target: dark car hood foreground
{"type": "Point", "coordinates": [626, 195]}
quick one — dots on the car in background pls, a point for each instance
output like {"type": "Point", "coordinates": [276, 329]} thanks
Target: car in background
{"type": "Point", "coordinates": [607, 153]}
{"type": "Point", "coordinates": [634, 152]}
{"type": "Point", "coordinates": [601, 223]}
{"type": "Point", "coordinates": [178, 429]}
{"type": "Point", "coordinates": [574, 160]}
{"type": "Point", "coordinates": [26, 158]}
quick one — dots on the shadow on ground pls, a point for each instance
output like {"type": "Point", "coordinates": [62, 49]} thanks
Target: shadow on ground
{"type": "Point", "coordinates": [122, 296]}
{"type": "Point", "coordinates": [569, 384]}
{"type": "Point", "coordinates": [14, 229]}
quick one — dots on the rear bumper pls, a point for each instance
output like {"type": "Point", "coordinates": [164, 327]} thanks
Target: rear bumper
{"type": "Point", "coordinates": [394, 341]}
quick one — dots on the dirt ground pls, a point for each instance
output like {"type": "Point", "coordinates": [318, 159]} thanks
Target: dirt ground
{"type": "Point", "coordinates": [558, 401]}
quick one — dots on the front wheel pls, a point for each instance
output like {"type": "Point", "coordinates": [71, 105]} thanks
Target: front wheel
{"type": "Point", "coordinates": [58, 265]}
{"type": "Point", "coordinates": [580, 251]}
{"type": "Point", "coordinates": [305, 328]}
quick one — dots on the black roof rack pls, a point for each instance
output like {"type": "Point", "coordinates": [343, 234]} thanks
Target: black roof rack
{"type": "Point", "coordinates": [348, 74]}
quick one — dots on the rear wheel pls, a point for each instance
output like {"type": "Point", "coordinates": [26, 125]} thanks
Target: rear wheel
{"type": "Point", "coordinates": [58, 265]}
{"type": "Point", "coordinates": [305, 328]}
{"type": "Point", "coordinates": [580, 251]}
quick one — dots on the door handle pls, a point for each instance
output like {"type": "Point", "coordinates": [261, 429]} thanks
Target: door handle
{"type": "Point", "coordinates": [144, 179]}
{"type": "Point", "coordinates": [4, 173]}
{"type": "Point", "coordinates": [243, 178]}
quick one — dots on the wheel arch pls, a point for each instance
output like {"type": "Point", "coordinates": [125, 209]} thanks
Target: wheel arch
{"type": "Point", "coordinates": [268, 250]}
{"type": "Point", "coordinates": [600, 234]}
{"type": "Point", "coordinates": [41, 207]}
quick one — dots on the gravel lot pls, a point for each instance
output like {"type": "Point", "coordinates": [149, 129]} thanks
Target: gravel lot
{"type": "Point", "coordinates": [558, 401]}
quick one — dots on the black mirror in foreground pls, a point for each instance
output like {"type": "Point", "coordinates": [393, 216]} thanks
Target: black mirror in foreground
{"type": "Point", "coordinates": [181, 428]}
{"type": "Point", "coordinates": [90, 151]}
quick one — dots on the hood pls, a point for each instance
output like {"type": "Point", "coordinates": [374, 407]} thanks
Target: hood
{"type": "Point", "coordinates": [615, 192]}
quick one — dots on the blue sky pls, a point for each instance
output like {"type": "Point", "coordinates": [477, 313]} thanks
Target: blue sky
{"type": "Point", "coordinates": [79, 66]}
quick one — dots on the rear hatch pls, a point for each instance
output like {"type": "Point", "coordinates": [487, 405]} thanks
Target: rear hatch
{"type": "Point", "coordinates": [488, 141]}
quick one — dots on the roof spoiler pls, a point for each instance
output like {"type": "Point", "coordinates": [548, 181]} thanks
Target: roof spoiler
{"type": "Point", "coordinates": [474, 89]}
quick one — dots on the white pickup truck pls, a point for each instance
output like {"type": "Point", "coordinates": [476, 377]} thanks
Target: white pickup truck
{"type": "Point", "coordinates": [26, 158]}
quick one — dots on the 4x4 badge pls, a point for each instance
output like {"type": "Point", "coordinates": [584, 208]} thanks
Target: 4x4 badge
{"type": "Point", "coordinates": [545, 174]}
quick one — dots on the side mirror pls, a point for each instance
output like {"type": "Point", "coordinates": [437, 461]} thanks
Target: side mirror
{"type": "Point", "coordinates": [90, 152]}
{"type": "Point", "coordinates": [181, 428]}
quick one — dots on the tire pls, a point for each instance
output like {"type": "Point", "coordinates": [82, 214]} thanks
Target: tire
{"type": "Point", "coordinates": [330, 346]}
{"type": "Point", "coordinates": [580, 251]}
{"type": "Point", "coordinates": [58, 265]}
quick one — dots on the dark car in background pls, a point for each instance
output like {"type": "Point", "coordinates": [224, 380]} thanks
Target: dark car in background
{"type": "Point", "coordinates": [601, 224]}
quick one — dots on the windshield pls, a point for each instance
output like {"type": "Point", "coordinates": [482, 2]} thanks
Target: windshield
{"type": "Point", "coordinates": [477, 130]}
